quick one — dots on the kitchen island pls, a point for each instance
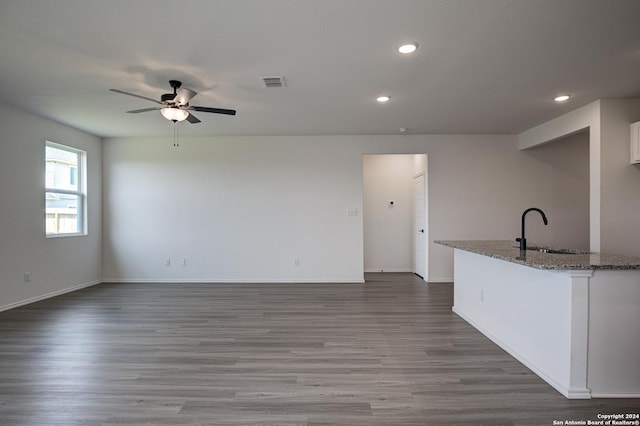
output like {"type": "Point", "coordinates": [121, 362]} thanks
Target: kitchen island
{"type": "Point", "coordinates": [572, 317]}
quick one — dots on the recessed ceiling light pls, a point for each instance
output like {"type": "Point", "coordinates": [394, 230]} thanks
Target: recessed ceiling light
{"type": "Point", "coordinates": [408, 48]}
{"type": "Point", "coordinates": [562, 98]}
{"type": "Point", "coordinates": [383, 99]}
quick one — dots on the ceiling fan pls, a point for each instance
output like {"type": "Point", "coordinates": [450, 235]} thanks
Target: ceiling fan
{"type": "Point", "coordinates": [175, 106]}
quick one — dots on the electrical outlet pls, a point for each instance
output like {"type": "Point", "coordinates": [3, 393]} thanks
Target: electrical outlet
{"type": "Point", "coordinates": [27, 277]}
{"type": "Point", "coordinates": [167, 262]}
{"type": "Point", "coordinates": [296, 262]}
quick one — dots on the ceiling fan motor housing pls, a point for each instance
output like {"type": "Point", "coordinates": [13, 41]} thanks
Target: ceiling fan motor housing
{"type": "Point", "coordinates": [167, 97]}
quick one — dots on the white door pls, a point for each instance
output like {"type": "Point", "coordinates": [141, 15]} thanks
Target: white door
{"type": "Point", "coordinates": [419, 225]}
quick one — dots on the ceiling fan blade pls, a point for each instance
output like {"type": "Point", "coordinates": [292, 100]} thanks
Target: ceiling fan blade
{"type": "Point", "coordinates": [135, 96]}
{"type": "Point", "coordinates": [192, 119]}
{"type": "Point", "coordinates": [135, 111]}
{"type": "Point", "coordinates": [183, 96]}
{"type": "Point", "coordinates": [214, 110]}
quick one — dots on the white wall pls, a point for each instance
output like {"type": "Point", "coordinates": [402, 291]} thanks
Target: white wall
{"type": "Point", "coordinates": [620, 227]}
{"type": "Point", "coordinates": [566, 162]}
{"type": "Point", "coordinates": [237, 209]}
{"type": "Point", "coordinates": [56, 264]}
{"type": "Point", "coordinates": [243, 208]}
{"type": "Point", "coordinates": [586, 117]}
{"type": "Point", "coordinates": [388, 230]}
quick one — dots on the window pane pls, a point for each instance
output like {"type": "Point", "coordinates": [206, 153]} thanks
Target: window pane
{"type": "Point", "coordinates": [73, 178]}
{"type": "Point", "coordinates": [62, 213]}
{"type": "Point", "coordinates": [61, 169]}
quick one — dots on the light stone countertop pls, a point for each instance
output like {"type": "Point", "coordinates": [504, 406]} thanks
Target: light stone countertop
{"type": "Point", "coordinates": [509, 251]}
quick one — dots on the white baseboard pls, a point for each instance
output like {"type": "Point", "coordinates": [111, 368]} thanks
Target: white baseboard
{"type": "Point", "coordinates": [615, 395]}
{"type": "Point", "coordinates": [437, 280]}
{"type": "Point", "coordinates": [228, 281]}
{"type": "Point", "coordinates": [440, 280]}
{"type": "Point", "coordinates": [48, 295]}
{"type": "Point", "coordinates": [387, 270]}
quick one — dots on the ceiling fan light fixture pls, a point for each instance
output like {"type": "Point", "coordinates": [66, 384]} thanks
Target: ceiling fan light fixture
{"type": "Point", "coordinates": [174, 114]}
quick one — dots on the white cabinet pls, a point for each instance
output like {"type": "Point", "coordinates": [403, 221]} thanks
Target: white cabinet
{"type": "Point", "coordinates": [635, 143]}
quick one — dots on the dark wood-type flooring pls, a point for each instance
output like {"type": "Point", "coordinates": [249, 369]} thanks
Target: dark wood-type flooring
{"type": "Point", "coordinates": [388, 352]}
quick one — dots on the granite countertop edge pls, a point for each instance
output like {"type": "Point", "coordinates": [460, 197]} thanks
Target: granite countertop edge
{"type": "Point", "coordinates": [508, 251]}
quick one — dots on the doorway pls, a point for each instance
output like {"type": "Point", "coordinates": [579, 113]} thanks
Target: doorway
{"type": "Point", "coordinates": [395, 213]}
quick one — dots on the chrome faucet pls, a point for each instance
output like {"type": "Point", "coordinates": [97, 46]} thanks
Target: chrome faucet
{"type": "Point", "coordinates": [522, 239]}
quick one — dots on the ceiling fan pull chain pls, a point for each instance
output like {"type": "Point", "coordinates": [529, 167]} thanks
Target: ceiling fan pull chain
{"type": "Point", "coordinates": [175, 134]}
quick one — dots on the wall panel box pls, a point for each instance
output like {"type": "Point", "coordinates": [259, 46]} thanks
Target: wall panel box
{"type": "Point", "coordinates": [635, 143]}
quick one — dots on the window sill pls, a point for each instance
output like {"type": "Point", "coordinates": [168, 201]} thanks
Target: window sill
{"type": "Point", "coordinates": [66, 235]}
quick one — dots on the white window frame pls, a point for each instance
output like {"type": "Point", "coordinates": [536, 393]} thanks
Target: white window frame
{"type": "Point", "coordinates": [80, 192]}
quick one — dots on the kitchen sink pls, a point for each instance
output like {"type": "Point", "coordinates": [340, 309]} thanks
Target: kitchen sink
{"type": "Point", "coordinates": [556, 251]}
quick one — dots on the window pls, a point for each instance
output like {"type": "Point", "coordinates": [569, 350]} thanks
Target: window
{"type": "Point", "coordinates": [65, 197]}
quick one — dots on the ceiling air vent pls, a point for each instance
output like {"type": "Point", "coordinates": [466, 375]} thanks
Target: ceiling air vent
{"type": "Point", "coordinates": [274, 81]}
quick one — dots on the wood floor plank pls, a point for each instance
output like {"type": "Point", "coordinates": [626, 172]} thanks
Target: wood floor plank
{"type": "Point", "coordinates": [389, 352]}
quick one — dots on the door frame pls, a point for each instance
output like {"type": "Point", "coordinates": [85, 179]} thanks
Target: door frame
{"type": "Point", "coordinates": [425, 207]}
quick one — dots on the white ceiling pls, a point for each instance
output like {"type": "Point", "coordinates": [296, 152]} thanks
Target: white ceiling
{"type": "Point", "coordinates": [483, 66]}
